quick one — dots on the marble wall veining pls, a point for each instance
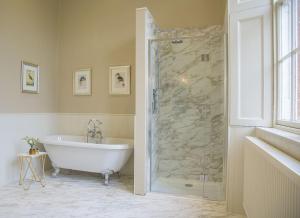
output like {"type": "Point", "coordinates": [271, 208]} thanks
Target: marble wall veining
{"type": "Point", "coordinates": [188, 128]}
{"type": "Point", "coordinates": [153, 86]}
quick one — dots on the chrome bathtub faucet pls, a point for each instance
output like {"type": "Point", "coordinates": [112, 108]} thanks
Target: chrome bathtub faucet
{"type": "Point", "coordinates": [94, 131]}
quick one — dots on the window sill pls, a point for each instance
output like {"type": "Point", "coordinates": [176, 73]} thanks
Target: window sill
{"type": "Point", "coordinates": [288, 126]}
{"type": "Point", "coordinates": [285, 141]}
{"type": "Point", "coordinates": [285, 163]}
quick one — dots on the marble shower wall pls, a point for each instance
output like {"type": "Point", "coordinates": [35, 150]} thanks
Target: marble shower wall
{"type": "Point", "coordinates": [188, 129]}
{"type": "Point", "coordinates": [153, 85]}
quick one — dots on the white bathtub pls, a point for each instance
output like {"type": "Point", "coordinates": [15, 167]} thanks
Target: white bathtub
{"type": "Point", "coordinates": [72, 152]}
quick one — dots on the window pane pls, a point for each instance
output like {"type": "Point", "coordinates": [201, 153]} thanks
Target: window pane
{"type": "Point", "coordinates": [297, 75]}
{"type": "Point", "coordinates": [285, 95]}
{"type": "Point", "coordinates": [285, 28]}
{"type": "Point", "coordinates": [297, 22]}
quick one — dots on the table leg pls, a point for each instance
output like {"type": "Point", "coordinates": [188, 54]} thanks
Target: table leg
{"type": "Point", "coordinates": [28, 160]}
{"type": "Point", "coordinates": [43, 159]}
{"type": "Point", "coordinates": [20, 160]}
{"type": "Point", "coordinates": [33, 171]}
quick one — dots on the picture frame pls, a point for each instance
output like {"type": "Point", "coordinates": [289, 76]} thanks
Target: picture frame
{"type": "Point", "coordinates": [30, 74]}
{"type": "Point", "coordinates": [82, 82]}
{"type": "Point", "coordinates": [119, 80]}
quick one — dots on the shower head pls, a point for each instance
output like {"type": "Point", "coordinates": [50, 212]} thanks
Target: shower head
{"type": "Point", "coordinates": [177, 41]}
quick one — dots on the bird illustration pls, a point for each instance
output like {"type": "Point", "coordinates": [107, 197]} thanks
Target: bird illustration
{"type": "Point", "coordinates": [120, 79]}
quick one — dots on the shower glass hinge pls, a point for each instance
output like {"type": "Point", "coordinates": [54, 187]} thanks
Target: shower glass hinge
{"type": "Point", "coordinates": [203, 178]}
{"type": "Point", "coordinates": [154, 102]}
{"type": "Point", "coordinates": [205, 57]}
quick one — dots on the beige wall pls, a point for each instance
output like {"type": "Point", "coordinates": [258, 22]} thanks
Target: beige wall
{"type": "Point", "coordinates": [185, 13]}
{"type": "Point", "coordinates": [64, 35]}
{"type": "Point", "coordinates": [101, 33]}
{"type": "Point", "coordinates": [28, 31]}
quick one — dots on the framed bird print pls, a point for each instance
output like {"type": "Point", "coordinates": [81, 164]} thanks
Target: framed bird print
{"type": "Point", "coordinates": [30, 77]}
{"type": "Point", "coordinates": [119, 80]}
{"type": "Point", "coordinates": [82, 82]}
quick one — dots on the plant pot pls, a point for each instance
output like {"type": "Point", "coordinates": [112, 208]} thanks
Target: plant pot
{"type": "Point", "coordinates": [32, 151]}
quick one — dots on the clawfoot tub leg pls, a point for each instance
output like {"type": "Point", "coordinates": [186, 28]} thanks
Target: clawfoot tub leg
{"type": "Point", "coordinates": [106, 174]}
{"type": "Point", "coordinates": [106, 177]}
{"type": "Point", "coordinates": [56, 171]}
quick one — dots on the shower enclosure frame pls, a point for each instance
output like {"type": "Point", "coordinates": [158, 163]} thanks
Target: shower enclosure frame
{"type": "Point", "coordinates": [225, 105]}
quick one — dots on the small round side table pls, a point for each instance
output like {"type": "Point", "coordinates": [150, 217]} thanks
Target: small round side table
{"type": "Point", "coordinates": [26, 164]}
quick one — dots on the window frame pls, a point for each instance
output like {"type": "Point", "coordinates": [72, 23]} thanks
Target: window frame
{"type": "Point", "coordinates": [290, 125]}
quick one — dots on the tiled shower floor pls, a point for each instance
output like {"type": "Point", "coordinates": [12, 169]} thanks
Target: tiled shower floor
{"type": "Point", "coordinates": [187, 187]}
{"type": "Point", "coordinates": [77, 194]}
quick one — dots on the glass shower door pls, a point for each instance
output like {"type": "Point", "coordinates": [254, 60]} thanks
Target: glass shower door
{"type": "Point", "coordinates": [187, 131]}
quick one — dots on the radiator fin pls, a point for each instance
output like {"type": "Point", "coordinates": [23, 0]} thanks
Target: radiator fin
{"type": "Point", "coordinates": [269, 191]}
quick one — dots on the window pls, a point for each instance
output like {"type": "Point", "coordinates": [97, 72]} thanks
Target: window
{"type": "Point", "coordinates": [288, 63]}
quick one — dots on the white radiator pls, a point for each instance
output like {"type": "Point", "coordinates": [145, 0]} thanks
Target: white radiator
{"type": "Point", "coordinates": [271, 182]}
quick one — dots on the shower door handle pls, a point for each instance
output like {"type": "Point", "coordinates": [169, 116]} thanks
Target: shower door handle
{"type": "Point", "coordinates": [154, 102]}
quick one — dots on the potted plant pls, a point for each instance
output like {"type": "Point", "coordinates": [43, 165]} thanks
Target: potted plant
{"type": "Point", "coordinates": [32, 142]}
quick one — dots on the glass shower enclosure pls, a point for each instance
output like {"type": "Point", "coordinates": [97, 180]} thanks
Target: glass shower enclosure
{"type": "Point", "coordinates": [187, 136]}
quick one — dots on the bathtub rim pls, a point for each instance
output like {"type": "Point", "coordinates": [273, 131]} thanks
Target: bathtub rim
{"type": "Point", "coordinates": [53, 140]}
